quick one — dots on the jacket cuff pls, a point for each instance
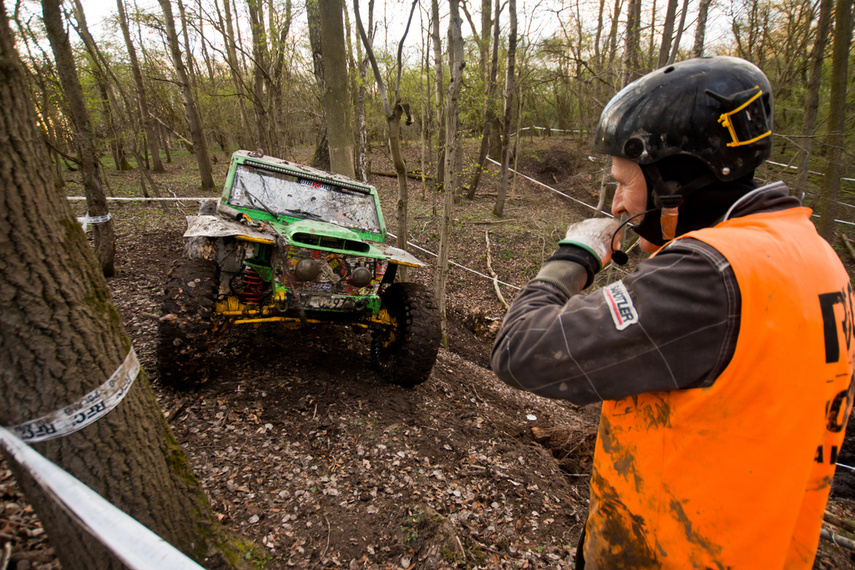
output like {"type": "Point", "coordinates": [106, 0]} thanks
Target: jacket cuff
{"type": "Point", "coordinates": [568, 276]}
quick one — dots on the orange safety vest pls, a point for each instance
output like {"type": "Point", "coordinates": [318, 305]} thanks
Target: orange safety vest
{"type": "Point", "coordinates": [737, 475]}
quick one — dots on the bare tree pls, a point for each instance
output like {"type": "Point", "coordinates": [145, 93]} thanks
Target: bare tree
{"type": "Point", "coordinates": [62, 339]}
{"type": "Point", "coordinates": [452, 140]}
{"type": "Point", "coordinates": [701, 28]}
{"type": "Point", "coordinates": [393, 114]}
{"type": "Point", "coordinates": [336, 101]}
{"type": "Point", "coordinates": [489, 109]}
{"type": "Point", "coordinates": [841, 52]}
{"type": "Point", "coordinates": [667, 33]}
{"type": "Point", "coordinates": [194, 120]}
{"type": "Point", "coordinates": [510, 71]}
{"type": "Point", "coordinates": [817, 56]}
{"type": "Point", "coordinates": [142, 98]}
{"type": "Point", "coordinates": [96, 201]}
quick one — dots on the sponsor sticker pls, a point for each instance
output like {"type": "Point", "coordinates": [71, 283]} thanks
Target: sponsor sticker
{"type": "Point", "coordinates": [620, 305]}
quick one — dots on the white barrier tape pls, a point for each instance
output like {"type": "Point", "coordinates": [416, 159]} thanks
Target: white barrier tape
{"type": "Point", "coordinates": [550, 188]}
{"type": "Point", "coordinates": [142, 199]}
{"type": "Point", "coordinates": [91, 407]}
{"type": "Point", "coordinates": [469, 269]}
{"type": "Point", "coordinates": [86, 220]}
{"type": "Point", "coordinates": [134, 544]}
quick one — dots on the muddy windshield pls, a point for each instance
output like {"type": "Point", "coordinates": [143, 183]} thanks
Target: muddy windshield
{"type": "Point", "coordinates": [286, 195]}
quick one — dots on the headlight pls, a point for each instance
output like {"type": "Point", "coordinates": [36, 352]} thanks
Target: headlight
{"type": "Point", "coordinates": [307, 270]}
{"type": "Point", "coordinates": [361, 276]}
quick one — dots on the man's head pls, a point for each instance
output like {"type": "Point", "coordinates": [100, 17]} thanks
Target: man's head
{"type": "Point", "coordinates": [696, 131]}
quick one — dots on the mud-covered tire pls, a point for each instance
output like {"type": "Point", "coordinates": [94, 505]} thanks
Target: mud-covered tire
{"type": "Point", "coordinates": [405, 355]}
{"type": "Point", "coordinates": [186, 326]}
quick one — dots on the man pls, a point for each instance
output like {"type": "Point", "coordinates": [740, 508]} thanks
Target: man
{"type": "Point", "coordinates": [724, 362]}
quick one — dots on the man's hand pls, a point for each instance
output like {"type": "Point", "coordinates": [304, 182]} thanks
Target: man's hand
{"type": "Point", "coordinates": [594, 236]}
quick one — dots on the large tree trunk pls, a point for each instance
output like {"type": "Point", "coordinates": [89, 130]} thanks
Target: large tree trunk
{"type": "Point", "coordinates": [234, 68]}
{"type": "Point", "coordinates": [631, 67]}
{"type": "Point", "coordinates": [194, 121]}
{"type": "Point", "coordinates": [63, 338]}
{"type": "Point", "coordinates": [817, 56]}
{"type": "Point", "coordinates": [96, 202]}
{"type": "Point", "coordinates": [452, 141]}
{"type": "Point", "coordinates": [701, 28]}
{"type": "Point", "coordinates": [259, 58]}
{"type": "Point", "coordinates": [321, 157]}
{"type": "Point", "coordinates": [836, 116]}
{"type": "Point", "coordinates": [504, 177]}
{"type": "Point", "coordinates": [667, 33]}
{"type": "Point", "coordinates": [336, 101]}
{"type": "Point", "coordinates": [145, 115]}
{"type": "Point", "coordinates": [439, 177]}
{"type": "Point", "coordinates": [489, 114]}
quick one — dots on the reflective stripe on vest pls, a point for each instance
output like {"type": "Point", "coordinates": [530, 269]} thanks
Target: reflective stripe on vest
{"type": "Point", "coordinates": [737, 475]}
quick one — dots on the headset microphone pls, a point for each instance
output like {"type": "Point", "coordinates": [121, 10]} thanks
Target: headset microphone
{"type": "Point", "coordinates": [618, 256]}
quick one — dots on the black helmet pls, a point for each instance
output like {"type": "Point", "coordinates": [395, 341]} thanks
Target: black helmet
{"type": "Point", "coordinates": [717, 109]}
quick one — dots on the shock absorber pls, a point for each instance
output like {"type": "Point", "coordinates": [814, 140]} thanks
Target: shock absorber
{"type": "Point", "coordinates": [252, 286]}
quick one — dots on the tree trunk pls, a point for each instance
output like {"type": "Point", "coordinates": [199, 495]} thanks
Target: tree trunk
{"type": "Point", "coordinates": [452, 140]}
{"type": "Point", "coordinates": [336, 100]}
{"type": "Point", "coordinates": [129, 455]}
{"type": "Point", "coordinates": [667, 33]}
{"type": "Point", "coordinates": [836, 117]}
{"type": "Point", "coordinates": [280, 138]}
{"type": "Point", "coordinates": [489, 91]}
{"type": "Point", "coordinates": [194, 121]}
{"type": "Point", "coordinates": [701, 28]}
{"type": "Point", "coordinates": [504, 177]}
{"type": "Point", "coordinates": [96, 202]}
{"type": "Point", "coordinates": [676, 47]}
{"type": "Point", "coordinates": [439, 177]}
{"type": "Point", "coordinates": [234, 68]}
{"type": "Point", "coordinates": [321, 158]}
{"type": "Point", "coordinates": [145, 115]}
{"type": "Point", "coordinates": [259, 59]}
{"type": "Point", "coordinates": [632, 45]}
{"type": "Point", "coordinates": [817, 56]}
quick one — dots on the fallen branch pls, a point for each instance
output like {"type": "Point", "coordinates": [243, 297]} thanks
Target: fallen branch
{"type": "Point", "coordinates": [848, 245]}
{"type": "Point", "coordinates": [413, 175]}
{"type": "Point", "coordinates": [493, 273]}
{"type": "Point", "coordinates": [839, 522]}
{"type": "Point", "coordinates": [491, 222]}
{"type": "Point", "coordinates": [837, 539]}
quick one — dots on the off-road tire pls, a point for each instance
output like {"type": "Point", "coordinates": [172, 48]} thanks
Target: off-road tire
{"type": "Point", "coordinates": [405, 355]}
{"type": "Point", "coordinates": [186, 326]}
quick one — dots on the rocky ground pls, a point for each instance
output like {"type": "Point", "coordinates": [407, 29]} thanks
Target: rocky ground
{"type": "Point", "coordinates": [322, 465]}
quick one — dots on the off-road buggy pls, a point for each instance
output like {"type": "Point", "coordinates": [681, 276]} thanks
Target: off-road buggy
{"type": "Point", "coordinates": [292, 245]}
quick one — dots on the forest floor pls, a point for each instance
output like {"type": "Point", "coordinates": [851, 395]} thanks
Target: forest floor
{"type": "Point", "coordinates": [321, 464]}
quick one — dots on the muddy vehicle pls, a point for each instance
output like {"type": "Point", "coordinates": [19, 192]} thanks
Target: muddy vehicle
{"type": "Point", "coordinates": [293, 246]}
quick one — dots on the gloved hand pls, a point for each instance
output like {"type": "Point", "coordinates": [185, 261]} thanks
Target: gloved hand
{"type": "Point", "coordinates": [595, 236]}
{"type": "Point", "coordinates": [587, 244]}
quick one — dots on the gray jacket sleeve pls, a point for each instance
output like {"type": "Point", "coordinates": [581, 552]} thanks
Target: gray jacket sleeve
{"type": "Point", "coordinates": [671, 324]}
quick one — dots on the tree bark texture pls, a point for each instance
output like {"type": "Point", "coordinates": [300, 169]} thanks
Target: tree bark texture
{"type": "Point", "coordinates": [439, 178]}
{"type": "Point", "coordinates": [841, 45]}
{"type": "Point", "coordinates": [667, 33]}
{"type": "Point", "coordinates": [321, 157]}
{"type": "Point", "coordinates": [336, 99]}
{"type": "Point", "coordinates": [142, 99]}
{"type": "Point", "coordinates": [701, 28]}
{"type": "Point", "coordinates": [489, 114]}
{"type": "Point", "coordinates": [817, 56]}
{"type": "Point", "coordinates": [194, 120]}
{"type": "Point", "coordinates": [96, 202]}
{"type": "Point", "coordinates": [510, 86]}
{"type": "Point", "coordinates": [60, 338]}
{"type": "Point", "coordinates": [452, 141]}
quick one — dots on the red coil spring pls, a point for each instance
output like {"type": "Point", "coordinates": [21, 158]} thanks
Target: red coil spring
{"type": "Point", "coordinates": [252, 287]}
